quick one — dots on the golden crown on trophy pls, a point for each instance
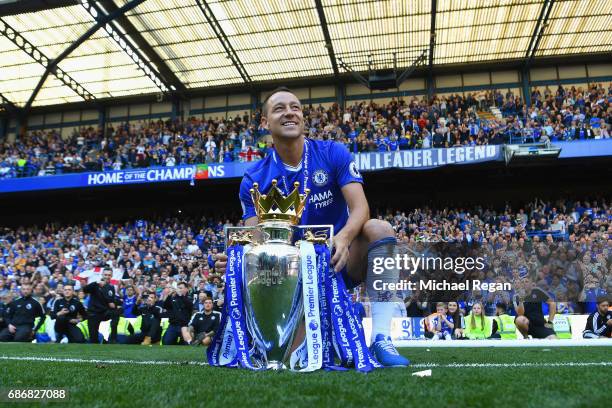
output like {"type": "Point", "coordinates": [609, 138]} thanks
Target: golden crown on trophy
{"type": "Point", "coordinates": [274, 206]}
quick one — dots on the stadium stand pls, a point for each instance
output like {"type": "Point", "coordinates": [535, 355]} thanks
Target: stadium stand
{"type": "Point", "coordinates": [480, 128]}
{"type": "Point", "coordinates": [567, 114]}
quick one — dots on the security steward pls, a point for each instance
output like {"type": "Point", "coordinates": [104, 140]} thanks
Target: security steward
{"type": "Point", "coordinates": [179, 308]}
{"type": "Point", "coordinates": [205, 324]}
{"type": "Point", "coordinates": [68, 311]}
{"type": "Point", "coordinates": [20, 317]}
{"type": "Point", "coordinates": [103, 306]}
{"type": "Point", "coordinates": [503, 324]}
{"type": "Point", "coordinates": [4, 302]}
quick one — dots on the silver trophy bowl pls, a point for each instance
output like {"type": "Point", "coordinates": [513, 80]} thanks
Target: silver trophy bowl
{"type": "Point", "coordinates": [272, 295]}
{"type": "Point", "coordinates": [273, 303]}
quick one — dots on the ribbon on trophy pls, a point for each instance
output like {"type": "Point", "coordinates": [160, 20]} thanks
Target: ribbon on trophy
{"type": "Point", "coordinates": [331, 326]}
{"type": "Point", "coordinates": [309, 354]}
{"type": "Point", "coordinates": [230, 346]}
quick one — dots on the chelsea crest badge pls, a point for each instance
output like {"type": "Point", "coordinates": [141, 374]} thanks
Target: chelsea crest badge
{"type": "Point", "coordinates": [320, 178]}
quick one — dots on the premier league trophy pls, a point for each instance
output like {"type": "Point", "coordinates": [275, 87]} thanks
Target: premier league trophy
{"type": "Point", "coordinates": [285, 308]}
{"type": "Point", "coordinates": [272, 272]}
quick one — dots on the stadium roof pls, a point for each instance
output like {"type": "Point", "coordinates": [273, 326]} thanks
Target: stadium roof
{"type": "Point", "coordinates": [178, 45]}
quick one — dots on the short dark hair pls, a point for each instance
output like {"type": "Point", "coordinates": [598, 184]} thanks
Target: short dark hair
{"type": "Point", "coordinates": [602, 299]}
{"type": "Point", "coordinates": [182, 283]}
{"type": "Point", "coordinates": [264, 107]}
{"type": "Point", "coordinates": [501, 306]}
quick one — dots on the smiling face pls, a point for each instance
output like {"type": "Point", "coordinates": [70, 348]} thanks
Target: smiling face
{"type": "Point", "coordinates": [283, 116]}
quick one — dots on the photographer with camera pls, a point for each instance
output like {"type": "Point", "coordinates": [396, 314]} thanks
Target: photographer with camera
{"type": "Point", "coordinates": [147, 327]}
{"type": "Point", "coordinates": [103, 306]}
{"type": "Point", "coordinates": [179, 307]}
{"type": "Point", "coordinates": [68, 311]}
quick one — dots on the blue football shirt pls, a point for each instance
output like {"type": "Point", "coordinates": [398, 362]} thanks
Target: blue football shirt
{"type": "Point", "coordinates": [330, 167]}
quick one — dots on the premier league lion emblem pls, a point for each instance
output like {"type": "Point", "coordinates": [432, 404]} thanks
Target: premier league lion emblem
{"type": "Point", "coordinates": [338, 310]}
{"type": "Point", "coordinates": [313, 325]}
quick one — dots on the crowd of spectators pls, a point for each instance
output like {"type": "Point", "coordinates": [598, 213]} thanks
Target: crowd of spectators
{"type": "Point", "coordinates": [563, 247]}
{"type": "Point", "coordinates": [406, 123]}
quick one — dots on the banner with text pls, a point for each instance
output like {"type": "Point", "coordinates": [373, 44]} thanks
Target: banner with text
{"type": "Point", "coordinates": [374, 161]}
{"type": "Point", "coordinates": [427, 158]}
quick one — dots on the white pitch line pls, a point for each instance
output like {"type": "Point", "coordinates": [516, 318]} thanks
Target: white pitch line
{"type": "Point", "coordinates": [504, 343]}
{"type": "Point", "coordinates": [98, 361]}
{"type": "Point", "coordinates": [420, 365]}
{"type": "Point", "coordinates": [513, 365]}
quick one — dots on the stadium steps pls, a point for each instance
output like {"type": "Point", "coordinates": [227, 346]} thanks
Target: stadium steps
{"type": "Point", "coordinates": [496, 112]}
{"type": "Point", "coordinates": [486, 115]}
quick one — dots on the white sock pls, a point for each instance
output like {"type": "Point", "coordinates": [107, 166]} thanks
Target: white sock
{"type": "Point", "coordinates": [382, 312]}
{"type": "Point", "coordinates": [382, 303]}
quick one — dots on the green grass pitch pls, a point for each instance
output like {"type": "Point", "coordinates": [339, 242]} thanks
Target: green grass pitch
{"type": "Point", "coordinates": [461, 377]}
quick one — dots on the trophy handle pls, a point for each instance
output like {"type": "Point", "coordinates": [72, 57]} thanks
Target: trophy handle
{"type": "Point", "coordinates": [319, 236]}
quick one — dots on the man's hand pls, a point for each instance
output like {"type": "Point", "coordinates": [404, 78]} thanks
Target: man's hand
{"type": "Point", "coordinates": [112, 305]}
{"type": "Point", "coordinates": [609, 322]}
{"type": "Point", "coordinates": [220, 263]}
{"type": "Point", "coordinates": [341, 255]}
{"type": "Point", "coordinates": [62, 312]}
{"type": "Point", "coordinates": [12, 329]}
{"type": "Point", "coordinates": [74, 321]}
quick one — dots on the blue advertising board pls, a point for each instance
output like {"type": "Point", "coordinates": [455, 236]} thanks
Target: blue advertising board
{"type": "Point", "coordinates": [366, 162]}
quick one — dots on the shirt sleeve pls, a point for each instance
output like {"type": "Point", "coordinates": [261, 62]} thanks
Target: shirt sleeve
{"type": "Point", "coordinates": [81, 310]}
{"type": "Point", "coordinates": [248, 208]}
{"type": "Point", "coordinates": [215, 326]}
{"type": "Point", "coordinates": [542, 295]}
{"type": "Point", "coordinates": [344, 165]}
{"type": "Point", "coordinates": [89, 287]}
{"type": "Point", "coordinates": [53, 312]}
